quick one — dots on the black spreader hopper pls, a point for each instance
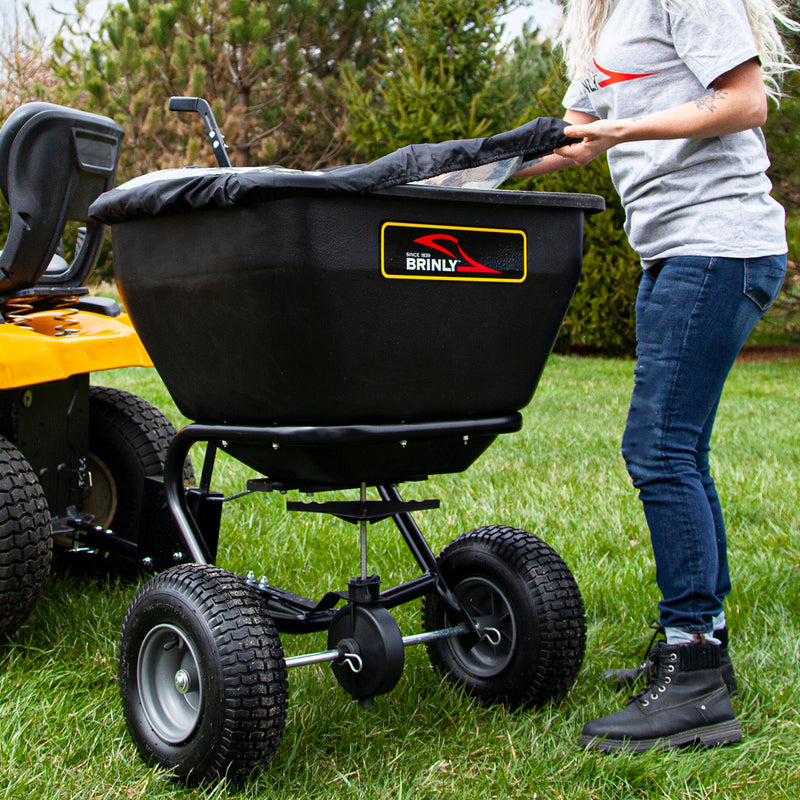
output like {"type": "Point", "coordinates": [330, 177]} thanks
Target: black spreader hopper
{"type": "Point", "coordinates": [270, 297]}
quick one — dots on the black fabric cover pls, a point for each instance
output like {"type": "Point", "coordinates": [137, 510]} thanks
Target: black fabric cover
{"type": "Point", "coordinates": [174, 191]}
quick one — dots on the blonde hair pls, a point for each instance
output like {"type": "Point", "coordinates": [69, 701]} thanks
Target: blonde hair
{"type": "Point", "coordinates": [585, 19]}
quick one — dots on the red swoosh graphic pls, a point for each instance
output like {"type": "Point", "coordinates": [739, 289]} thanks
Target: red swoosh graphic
{"type": "Point", "coordinates": [430, 241]}
{"type": "Point", "coordinates": [620, 77]}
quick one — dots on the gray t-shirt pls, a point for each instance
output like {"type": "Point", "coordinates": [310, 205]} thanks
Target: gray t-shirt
{"type": "Point", "coordinates": [700, 197]}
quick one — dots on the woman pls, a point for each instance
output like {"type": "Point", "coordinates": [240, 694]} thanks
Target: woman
{"type": "Point", "coordinates": [675, 92]}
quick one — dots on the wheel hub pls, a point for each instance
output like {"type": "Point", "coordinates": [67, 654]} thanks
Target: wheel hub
{"type": "Point", "coordinates": [372, 651]}
{"type": "Point", "coordinates": [169, 683]}
{"type": "Point", "coordinates": [182, 681]}
{"type": "Point", "coordinates": [492, 612]}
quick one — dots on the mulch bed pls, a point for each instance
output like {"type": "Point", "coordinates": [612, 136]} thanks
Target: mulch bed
{"type": "Point", "coordinates": [770, 352]}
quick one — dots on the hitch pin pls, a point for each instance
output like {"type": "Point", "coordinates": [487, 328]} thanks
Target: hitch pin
{"type": "Point", "coordinates": [353, 661]}
{"type": "Point", "coordinates": [493, 635]}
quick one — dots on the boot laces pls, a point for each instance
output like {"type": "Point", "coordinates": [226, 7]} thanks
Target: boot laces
{"type": "Point", "coordinates": [658, 630]}
{"type": "Point", "coordinates": [646, 664]}
{"type": "Point", "coordinates": [664, 664]}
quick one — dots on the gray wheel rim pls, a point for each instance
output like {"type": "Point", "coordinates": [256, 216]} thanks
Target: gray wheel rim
{"type": "Point", "coordinates": [101, 499]}
{"type": "Point", "coordinates": [491, 609]}
{"type": "Point", "coordinates": [170, 683]}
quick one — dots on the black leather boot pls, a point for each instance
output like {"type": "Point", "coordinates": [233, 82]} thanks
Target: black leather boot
{"type": "Point", "coordinates": [628, 678]}
{"type": "Point", "coordinates": [686, 701]}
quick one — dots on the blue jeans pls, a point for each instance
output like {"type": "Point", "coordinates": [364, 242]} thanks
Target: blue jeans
{"type": "Point", "coordinates": [693, 314]}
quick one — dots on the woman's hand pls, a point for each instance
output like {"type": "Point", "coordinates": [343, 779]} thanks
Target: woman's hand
{"type": "Point", "coordinates": [556, 161]}
{"type": "Point", "coordinates": [596, 137]}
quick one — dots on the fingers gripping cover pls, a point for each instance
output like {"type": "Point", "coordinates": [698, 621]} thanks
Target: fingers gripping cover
{"type": "Point", "coordinates": [191, 188]}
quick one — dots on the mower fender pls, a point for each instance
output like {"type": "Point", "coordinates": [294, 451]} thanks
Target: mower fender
{"type": "Point", "coordinates": [41, 353]}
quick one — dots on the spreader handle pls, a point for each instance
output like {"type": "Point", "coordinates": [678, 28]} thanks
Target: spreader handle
{"type": "Point", "coordinates": [199, 105]}
{"type": "Point", "coordinates": [183, 103]}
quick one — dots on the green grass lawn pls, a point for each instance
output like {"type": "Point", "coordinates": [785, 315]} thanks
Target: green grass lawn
{"type": "Point", "coordinates": [62, 733]}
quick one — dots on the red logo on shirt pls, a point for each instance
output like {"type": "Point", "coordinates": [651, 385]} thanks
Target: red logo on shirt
{"type": "Point", "coordinates": [619, 77]}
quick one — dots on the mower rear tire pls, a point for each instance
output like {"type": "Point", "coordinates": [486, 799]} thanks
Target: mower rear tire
{"type": "Point", "coordinates": [25, 539]}
{"type": "Point", "coordinates": [518, 589]}
{"type": "Point", "coordinates": [128, 441]}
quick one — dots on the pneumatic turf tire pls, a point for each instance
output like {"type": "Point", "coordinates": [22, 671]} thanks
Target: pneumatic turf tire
{"type": "Point", "coordinates": [518, 587]}
{"type": "Point", "coordinates": [202, 675]}
{"type": "Point", "coordinates": [128, 441]}
{"type": "Point", "coordinates": [25, 539]}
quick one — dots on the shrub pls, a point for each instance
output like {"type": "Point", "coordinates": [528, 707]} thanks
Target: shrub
{"type": "Point", "coordinates": [601, 317]}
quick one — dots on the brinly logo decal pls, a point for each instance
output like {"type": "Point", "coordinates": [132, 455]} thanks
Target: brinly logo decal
{"type": "Point", "coordinates": [443, 252]}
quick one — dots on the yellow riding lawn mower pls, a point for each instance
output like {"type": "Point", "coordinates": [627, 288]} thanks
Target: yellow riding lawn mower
{"type": "Point", "coordinates": [80, 465]}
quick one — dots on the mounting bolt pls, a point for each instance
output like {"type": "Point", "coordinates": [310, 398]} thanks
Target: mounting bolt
{"type": "Point", "coordinates": [147, 562]}
{"type": "Point", "coordinates": [177, 556]}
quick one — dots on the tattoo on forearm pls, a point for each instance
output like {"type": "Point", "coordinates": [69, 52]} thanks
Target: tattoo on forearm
{"type": "Point", "coordinates": [709, 102]}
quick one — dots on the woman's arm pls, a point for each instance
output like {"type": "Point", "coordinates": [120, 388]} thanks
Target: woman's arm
{"type": "Point", "coordinates": [553, 163]}
{"type": "Point", "coordinates": [736, 102]}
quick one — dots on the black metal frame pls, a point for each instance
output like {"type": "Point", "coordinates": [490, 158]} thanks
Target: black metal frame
{"type": "Point", "coordinates": [293, 613]}
{"type": "Point", "coordinates": [49, 424]}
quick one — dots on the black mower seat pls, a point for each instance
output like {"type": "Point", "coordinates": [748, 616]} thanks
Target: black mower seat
{"type": "Point", "coordinates": [54, 162]}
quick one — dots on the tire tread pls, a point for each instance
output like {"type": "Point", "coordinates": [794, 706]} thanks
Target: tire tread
{"type": "Point", "coordinates": [252, 663]}
{"type": "Point", "coordinates": [25, 539]}
{"type": "Point", "coordinates": [559, 608]}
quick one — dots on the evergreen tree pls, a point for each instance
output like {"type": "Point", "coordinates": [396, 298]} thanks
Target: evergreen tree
{"type": "Point", "coordinates": [270, 70]}
{"type": "Point", "coordinates": [782, 132]}
{"type": "Point", "coordinates": [444, 76]}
